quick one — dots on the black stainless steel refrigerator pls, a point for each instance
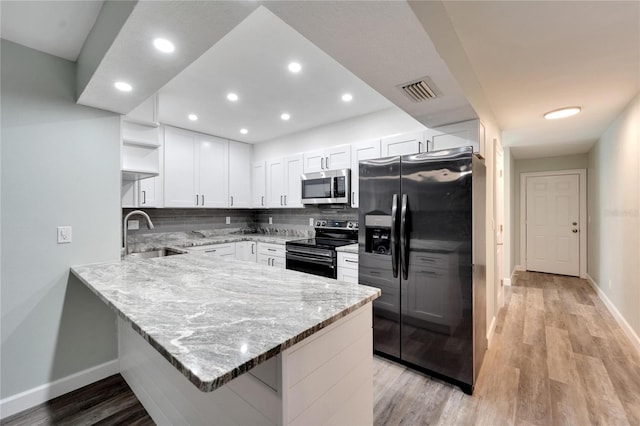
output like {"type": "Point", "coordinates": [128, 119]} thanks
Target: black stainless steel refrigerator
{"type": "Point", "coordinates": [422, 242]}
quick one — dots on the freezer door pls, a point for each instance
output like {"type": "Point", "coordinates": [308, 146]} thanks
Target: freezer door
{"type": "Point", "coordinates": [435, 239]}
{"type": "Point", "coordinates": [379, 187]}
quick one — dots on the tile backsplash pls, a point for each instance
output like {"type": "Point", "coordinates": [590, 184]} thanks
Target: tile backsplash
{"type": "Point", "coordinates": [284, 220]}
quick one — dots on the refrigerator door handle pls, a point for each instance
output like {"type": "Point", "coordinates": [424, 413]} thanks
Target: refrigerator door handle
{"type": "Point", "coordinates": [394, 238]}
{"type": "Point", "coordinates": [404, 241]}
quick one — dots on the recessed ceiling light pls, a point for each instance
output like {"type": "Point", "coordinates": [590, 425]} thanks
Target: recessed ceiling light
{"type": "Point", "coordinates": [285, 116]}
{"type": "Point", "coordinates": [192, 117]}
{"type": "Point", "coordinates": [122, 86]}
{"type": "Point", "coordinates": [232, 97]}
{"type": "Point", "coordinates": [295, 67]}
{"type": "Point", "coordinates": [562, 113]}
{"type": "Point", "coordinates": [244, 131]}
{"type": "Point", "coordinates": [164, 45]}
{"type": "Point", "coordinates": [347, 97]}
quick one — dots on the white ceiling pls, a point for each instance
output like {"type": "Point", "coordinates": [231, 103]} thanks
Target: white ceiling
{"type": "Point", "coordinates": [532, 57]}
{"type": "Point", "coordinates": [251, 61]}
{"type": "Point", "coordinates": [529, 57]}
{"type": "Point", "coordinates": [55, 27]}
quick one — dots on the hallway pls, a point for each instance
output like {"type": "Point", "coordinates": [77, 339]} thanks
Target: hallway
{"type": "Point", "coordinates": [558, 357]}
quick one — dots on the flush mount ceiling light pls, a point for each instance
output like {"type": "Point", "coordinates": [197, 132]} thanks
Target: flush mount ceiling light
{"type": "Point", "coordinates": [244, 131]}
{"type": "Point", "coordinates": [285, 116]}
{"type": "Point", "coordinates": [562, 113]}
{"type": "Point", "coordinates": [122, 86]}
{"type": "Point", "coordinates": [295, 67]}
{"type": "Point", "coordinates": [164, 45]}
{"type": "Point", "coordinates": [232, 97]}
{"type": "Point", "coordinates": [347, 97]}
{"type": "Point", "coordinates": [192, 117]}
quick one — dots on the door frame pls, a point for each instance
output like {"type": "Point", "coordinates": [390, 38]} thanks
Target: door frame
{"type": "Point", "coordinates": [582, 193]}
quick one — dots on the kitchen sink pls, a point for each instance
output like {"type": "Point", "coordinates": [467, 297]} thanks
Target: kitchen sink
{"type": "Point", "coordinates": [155, 253]}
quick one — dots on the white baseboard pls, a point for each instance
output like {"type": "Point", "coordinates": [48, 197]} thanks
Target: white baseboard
{"type": "Point", "coordinates": [491, 332]}
{"type": "Point", "coordinates": [631, 334]}
{"type": "Point", "coordinates": [43, 393]}
{"type": "Point", "coordinates": [518, 268]}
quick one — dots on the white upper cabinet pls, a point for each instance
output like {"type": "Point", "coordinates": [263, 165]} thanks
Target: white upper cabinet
{"type": "Point", "coordinates": [361, 151]}
{"type": "Point", "coordinates": [283, 182]}
{"type": "Point", "coordinates": [466, 133]}
{"type": "Point", "coordinates": [259, 185]}
{"type": "Point", "coordinates": [212, 162]}
{"type": "Point", "coordinates": [293, 184]}
{"type": "Point", "coordinates": [196, 170]}
{"type": "Point", "coordinates": [239, 175]}
{"type": "Point", "coordinates": [150, 192]}
{"type": "Point", "coordinates": [334, 158]}
{"type": "Point", "coordinates": [409, 143]}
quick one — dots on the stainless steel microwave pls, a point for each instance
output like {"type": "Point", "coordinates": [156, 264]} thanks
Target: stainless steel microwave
{"type": "Point", "coordinates": [330, 187]}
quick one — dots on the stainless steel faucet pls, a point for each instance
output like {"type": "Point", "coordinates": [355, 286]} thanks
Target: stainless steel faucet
{"type": "Point", "coordinates": [124, 227]}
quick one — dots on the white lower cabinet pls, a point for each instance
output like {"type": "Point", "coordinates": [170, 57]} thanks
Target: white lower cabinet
{"type": "Point", "coordinates": [348, 267]}
{"type": "Point", "coordinates": [272, 255]}
{"type": "Point", "coordinates": [247, 251]}
{"type": "Point", "coordinates": [222, 250]}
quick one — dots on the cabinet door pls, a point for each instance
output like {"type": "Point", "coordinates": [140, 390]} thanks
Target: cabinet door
{"type": "Point", "coordinates": [455, 136]}
{"type": "Point", "coordinates": [275, 183]}
{"type": "Point", "coordinates": [239, 175]}
{"type": "Point", "coordinates": [314, 161]}
{"type": "Point", "coordinates": [247, 251]}
{"type": "Point", "coordinates": [264, 259]}
{"type": "Point", "coordinates": [347, 275]}
{"type": "Point", "coordinates": [179, 169]}
{"type": "Point", "coordinates": [410, 143]}
{"type": "Point", "coordinates": [259, 185]}
{"type": "Point", "coordinates": [293, 183]}
{"type": "Point", "coordinates": [212, 169]}
{"type": "Point", "coordinates": [150, 193]}
{"type": "Point", "coordinates": [338, 157]}
{"type": "Point", "coordinates": [362, 151]}
{"type": "Point", "coordinates": [279, 262]}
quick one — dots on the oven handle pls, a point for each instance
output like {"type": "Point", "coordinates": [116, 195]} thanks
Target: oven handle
{"type": "Point", "coordinates": [310, 252]}
{"type": "Point", "coordinates": [310, 259]}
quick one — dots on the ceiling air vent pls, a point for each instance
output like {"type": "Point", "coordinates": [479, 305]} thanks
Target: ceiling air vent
{"type": "Point", "coordinates": [419, 91]}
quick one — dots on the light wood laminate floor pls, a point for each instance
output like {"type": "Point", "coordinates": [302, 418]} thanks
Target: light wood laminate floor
{"type": "Point", "coordinates": [558, 358]}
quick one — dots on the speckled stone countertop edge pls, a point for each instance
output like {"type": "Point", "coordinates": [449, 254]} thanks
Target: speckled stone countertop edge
{"type": "Point", "coordinates": [209, 386]}
{"type": "Point", "coordinates": [351, 248]}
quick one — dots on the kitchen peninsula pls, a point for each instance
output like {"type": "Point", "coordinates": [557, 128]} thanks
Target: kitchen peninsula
{"type": "Point", "coordinates": [206, 340]}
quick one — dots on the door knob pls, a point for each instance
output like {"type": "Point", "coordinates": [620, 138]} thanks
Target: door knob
{"type": "Point", "coordinates": [575, 231]}
{"type": "Point", "coordinates": [574, 223]}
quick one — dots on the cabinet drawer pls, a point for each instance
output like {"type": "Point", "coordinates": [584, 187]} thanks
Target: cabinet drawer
{"type": "Point", "coordinates": [348, 260]}
{"type": "Point", "coordinates": [226, 249]}
{"type": "Point", "coordinates": [273, 250]}
{"type": "Point", "coordinates": [348, 275]}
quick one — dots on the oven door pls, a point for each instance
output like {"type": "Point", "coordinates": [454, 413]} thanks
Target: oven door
{"type": "Point", "coordinates": [322, 266]}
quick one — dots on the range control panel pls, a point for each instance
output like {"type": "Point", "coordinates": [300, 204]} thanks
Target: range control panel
{"type": "Point", "coordinates": [337, 224]}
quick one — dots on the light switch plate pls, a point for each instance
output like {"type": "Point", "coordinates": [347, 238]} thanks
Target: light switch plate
{"type": "Point", "coordinates": [64, 234]}
{"type": "Point", "coordinates": [310, 221]}
{"type": "Point", "coordinates": [270, 220]}
{"type": "Point", "coordinates": [228, 221]}
{"type": "Point", "coordinates": [132, 225]}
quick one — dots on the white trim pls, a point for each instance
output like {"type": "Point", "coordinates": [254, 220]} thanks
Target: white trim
{"type": "Point", "coordinates": [43, 393]}
{"type": "Point", "coordinates": [491, 332]}
{"type": "Point", "coordinates": [517, 268]}
{"type": "Point", "coordinates": [582, 173]}
{"type": "Point", "coordinates": [507, 282]}
{"type": "Point", "coordinates": [622, 322]}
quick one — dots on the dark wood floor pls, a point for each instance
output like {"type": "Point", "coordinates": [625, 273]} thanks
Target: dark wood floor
{"type": "Point", "coordinates": [558, 358]}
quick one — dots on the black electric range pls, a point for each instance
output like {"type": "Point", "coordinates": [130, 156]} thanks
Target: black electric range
{"type": "Point", "coordinates": [318, 255]}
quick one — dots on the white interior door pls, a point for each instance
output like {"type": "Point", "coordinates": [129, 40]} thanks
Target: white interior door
{"type": "Point", "coordinates": [552, 224]}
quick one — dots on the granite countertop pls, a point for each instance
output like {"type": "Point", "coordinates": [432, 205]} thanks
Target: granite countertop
{"type": "Point", "coordinates": [351, 248]}
{"type": "Point", "coordinates": [213, 318]}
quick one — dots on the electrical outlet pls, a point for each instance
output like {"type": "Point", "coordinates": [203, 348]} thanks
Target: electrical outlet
{"type": "Point", "coordinates": [270, 220]}
{"type": "Point", "coordinates": [228, 221]}
{"type": "Point", "coordinates": [132, 225]}
{"type": "Point", "coordinates": [64, 234]}
{"type": "Point", "coordinates": [310, 221]}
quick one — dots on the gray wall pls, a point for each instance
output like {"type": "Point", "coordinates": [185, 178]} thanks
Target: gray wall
{"type": "Point", "coordinates": [567, 162]}
{"type": "Point", "coordinates": [614, 213]}
{"type": "Point", "coordinates": [60, 166]}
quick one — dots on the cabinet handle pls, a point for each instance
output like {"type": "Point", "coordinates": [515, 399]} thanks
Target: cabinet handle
{"type": "Point", "coordinates": [270, 249]}
{"type": "Point", "coordinates": [353, 197]}
{"type": "Point", "coordinates": [269, 262]}
{"type": "Point", "coordinates": [285, 200]}
{"type": "Point", "coordinates": [197, 199]}
{"type": "Point", "coordinates": [203, 199]}
{"type": "Point", "coordinates": [144, 197]}
{"type": "Point", "coordinates": [262, 201]}
{"type": "Point", "coordinates": [322, 163]}
{"type": "Point", "coordinates": [252, 247]}
{"type": "Point", "coordinates": [350, 261]}
{"type": "Point", "coordinates": [326, 162]}
{"type": "Point", "coordinates": [232, 200]}
{"type": "Point", "coordinates": [281, 200]}
{"type": "Point", "coordinates": [419, 147]}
